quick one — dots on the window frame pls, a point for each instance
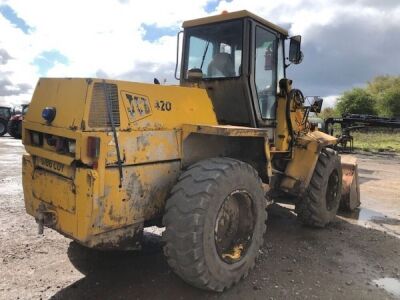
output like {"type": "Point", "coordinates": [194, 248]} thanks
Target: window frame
{"type": "Point", "coordinates": [186, 43]}
{"type": "Point", "coordinates": [264, 122]}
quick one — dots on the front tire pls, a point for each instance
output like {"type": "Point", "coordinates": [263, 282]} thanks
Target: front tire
{"type": "Point", "coordinates": [215, 223]}
{"type": "Point", "coordinates": [320, 203]}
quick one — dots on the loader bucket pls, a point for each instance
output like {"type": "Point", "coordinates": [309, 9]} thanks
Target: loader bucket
{"type": "Point", "coordinates": [350, 186]}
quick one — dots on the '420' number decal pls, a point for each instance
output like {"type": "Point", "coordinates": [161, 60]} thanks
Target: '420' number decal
{"type": "Point", "coordinates": [163, 105]}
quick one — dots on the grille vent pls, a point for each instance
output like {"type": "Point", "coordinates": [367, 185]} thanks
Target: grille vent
{"type": "Point", "coordinates": [98, 116]}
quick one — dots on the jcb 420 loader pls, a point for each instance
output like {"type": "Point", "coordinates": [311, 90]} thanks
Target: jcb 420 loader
{"type": "Point", "coordinates": [107, 158]}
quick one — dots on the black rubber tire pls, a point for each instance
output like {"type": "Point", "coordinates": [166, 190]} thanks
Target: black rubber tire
{"type": "Point", "coordinates": [15, 129]}
{"type": "Point", "coordinates": [190, 217]}
{"type": "Point", "coordinates": [313, 209]}
{"type": "Point", "coordinates": [3, 127]}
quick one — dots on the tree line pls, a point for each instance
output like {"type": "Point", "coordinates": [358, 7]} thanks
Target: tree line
{"type": "Point", "coordinates": [381, 96]}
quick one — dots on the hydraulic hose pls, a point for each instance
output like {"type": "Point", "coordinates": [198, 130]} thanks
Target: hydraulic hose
{"type": "Point", "coordinates": [110, 117]}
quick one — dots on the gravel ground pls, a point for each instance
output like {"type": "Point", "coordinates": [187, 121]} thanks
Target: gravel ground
{"type": "Point", "coordinates": [356, 257]}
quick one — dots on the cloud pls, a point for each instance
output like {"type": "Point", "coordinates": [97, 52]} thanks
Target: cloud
{"type": "Point", "coordinates": [348, 53]}
{"type": "Point", "coordinates": [345, 43]}
{"type": "Point", "coordinates": [4, 57]}
{"type": "Point", "coordinates": [7, 88]}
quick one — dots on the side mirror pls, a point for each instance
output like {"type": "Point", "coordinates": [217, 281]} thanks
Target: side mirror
{"type": "Point", "coordinates": [295, 54]}
{"type": "Point", "coordinates": [317, 105]}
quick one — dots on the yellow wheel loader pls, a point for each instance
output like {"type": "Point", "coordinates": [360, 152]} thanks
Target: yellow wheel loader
{"type": "Point", "coordinates": [204, 159]}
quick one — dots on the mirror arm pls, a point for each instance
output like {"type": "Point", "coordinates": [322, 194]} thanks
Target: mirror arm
{"type": "Point", "coordinates": [177, 54]}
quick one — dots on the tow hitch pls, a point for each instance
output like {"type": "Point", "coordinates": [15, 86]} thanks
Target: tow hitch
{"type": "Point", "coordinates": [45, 218]}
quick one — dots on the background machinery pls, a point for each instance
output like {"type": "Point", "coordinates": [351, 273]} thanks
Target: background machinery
{"type": "Point", "coordinates": [351, 122]}
{"type": "Point", "coordinates": [14, 126]}
{"type": "Point", "coordinates": [5, 115]}
{"type": "Point", "coordinates": [107, 158]}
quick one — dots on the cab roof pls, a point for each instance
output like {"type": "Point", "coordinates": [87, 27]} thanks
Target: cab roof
{"type": "Point", "coordinates": [232, 16]}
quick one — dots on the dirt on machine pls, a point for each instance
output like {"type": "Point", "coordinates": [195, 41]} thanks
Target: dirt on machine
{"type": "Point", "coordinates": [204, 159]}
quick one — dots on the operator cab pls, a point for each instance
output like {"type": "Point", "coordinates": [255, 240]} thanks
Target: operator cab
{"type": "Point", "coordinates": [239, 58]}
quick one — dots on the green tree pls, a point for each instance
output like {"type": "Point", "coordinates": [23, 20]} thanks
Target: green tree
{"type": "Point", "coordinates": [386, 91]}
{"type": "Point", "coordinates": [356, 101]}
{"type": "Point", "coordinates": [389, 102]}
{"type": "Point", "coordinates": [382, 83]}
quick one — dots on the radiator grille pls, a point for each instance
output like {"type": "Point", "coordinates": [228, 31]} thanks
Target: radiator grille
{"type": "Point", "coordinates": [98, 116]}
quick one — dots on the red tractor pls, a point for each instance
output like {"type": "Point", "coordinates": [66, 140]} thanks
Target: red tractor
{"type": "Point", "coordinates": [14, 126]}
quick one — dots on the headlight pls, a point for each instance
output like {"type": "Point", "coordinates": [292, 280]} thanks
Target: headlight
{"type": "Point", "coordinates": [71, 144]}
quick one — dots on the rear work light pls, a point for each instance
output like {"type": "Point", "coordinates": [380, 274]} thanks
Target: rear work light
{"type": "Point", "coordinates": [48, 114]}
{"type": "Point", "coordinates": [36, 138]}
{"type": "Point", "coordinates": [93, 147]}
{"type": "Point", "coordinates": [71, 145]}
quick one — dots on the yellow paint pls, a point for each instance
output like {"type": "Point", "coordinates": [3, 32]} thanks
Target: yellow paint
{"type": "Point", "coordinates": [282, 137]}
{"type": "Point", "coordinates": [88, 202]}
{"type": "Point", "coordinates": [92, 204]}
{"type": "Point", "coordinates": [235, 254]}
{"type": "Point", "coordinates": [299, 170]}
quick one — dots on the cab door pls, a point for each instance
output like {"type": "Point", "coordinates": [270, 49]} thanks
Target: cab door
{"type": "Point", "coordinates": [267, 61]}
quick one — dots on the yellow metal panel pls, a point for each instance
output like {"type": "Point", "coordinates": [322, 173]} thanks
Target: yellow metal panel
{"type": "Point", "coordinates": [299, 170]}
{"type": "Point", "coordinates": [63, 196]}
{"type": "Point", "coordinates": [142, 196]}
{"type": "Point", "coordinates": [225, 130]}
{"type": "Point", "coordinates": [171, 106]}
{"type": "Point", "coordinates": [53, 166]}
{"type": "Point", "coordinates": [323, 138]}
{"type": "Point", "coordinates": [64, 159]}
{"type": "Point", "coordinates": [27, 171]}
{"type": "Point", "coordinates": [138, 147]}
{"type": "Point", "coordinates": [87, 187]}
{"type": "Point", "coordinates": [231, 16]}
{"type": "Point", "coordinates": [66, 95]}
{"type": "Point", "coordinates": [282, 137]}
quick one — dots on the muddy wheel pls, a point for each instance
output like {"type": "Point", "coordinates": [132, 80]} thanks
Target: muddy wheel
{"type": "Point", "coordinates": [3, 127]}
{"type": "Point", "coordinates": [320, 203]}
{"type": "Point", "coordinates": [215, 223]}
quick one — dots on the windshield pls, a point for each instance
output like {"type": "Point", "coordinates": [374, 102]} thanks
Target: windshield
{"type": "Point", "coordinates": [215, 49]}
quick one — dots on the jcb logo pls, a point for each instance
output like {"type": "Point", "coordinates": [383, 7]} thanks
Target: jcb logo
{"type": "Point", "coordinates": [137, 106]}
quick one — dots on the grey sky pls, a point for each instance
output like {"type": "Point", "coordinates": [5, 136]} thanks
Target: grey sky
{"type": "Point", "coordinates": [345, 43]}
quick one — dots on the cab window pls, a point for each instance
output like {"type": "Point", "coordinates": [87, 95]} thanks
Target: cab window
{"type": "Point", "coordinates": [266, 71]}
{"type": "Point", "coordinates": [215, 50]}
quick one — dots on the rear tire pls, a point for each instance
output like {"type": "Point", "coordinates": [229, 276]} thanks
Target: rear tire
{"type": "Point", "coordinates": [3, 127]}
{"type": "Point", "coordinates": [15, 129]}
{"type": "Point", "coordinates": [215, 223]}
{"type": "Point", "coordinates": [320, 203]}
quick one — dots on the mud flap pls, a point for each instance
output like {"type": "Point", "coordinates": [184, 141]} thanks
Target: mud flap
{"type": "Point", "coordinates": [350, 186]}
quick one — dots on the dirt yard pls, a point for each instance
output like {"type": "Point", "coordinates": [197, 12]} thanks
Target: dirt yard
{"type": "Point", "coordinates": [356, 257]}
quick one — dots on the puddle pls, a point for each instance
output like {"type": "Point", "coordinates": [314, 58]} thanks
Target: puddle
{"type": "Point", "coordinates": [391, 285]}
{"type": "Point", "coordinates": [364, 214]}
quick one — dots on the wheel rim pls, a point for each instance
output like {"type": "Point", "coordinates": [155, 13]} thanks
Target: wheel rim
{"type": "Point", "coordinates": [332, 190]}
{"type": "Point", "coordinates": [2, 128]}
{"type": "Point", "coordinates": [234, 226]}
